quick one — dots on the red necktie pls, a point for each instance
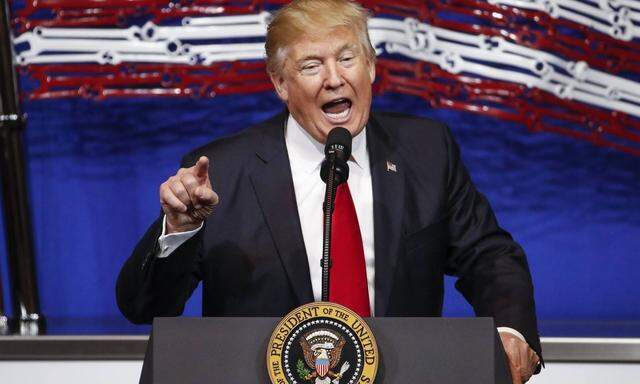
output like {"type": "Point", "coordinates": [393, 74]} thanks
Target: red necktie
{"type": "Point", "coordinates": [348, 284]}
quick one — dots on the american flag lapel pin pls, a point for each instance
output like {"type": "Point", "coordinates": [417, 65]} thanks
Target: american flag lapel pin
{"type": "Point", "coordinates": [391, 167]}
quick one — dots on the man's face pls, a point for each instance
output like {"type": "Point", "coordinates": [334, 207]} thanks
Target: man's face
{"type": "Point", "coordinates": [326, 83]}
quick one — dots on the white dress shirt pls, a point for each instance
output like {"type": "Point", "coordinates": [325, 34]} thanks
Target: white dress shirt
{"type": "Point", "coordinates": [305, 157]}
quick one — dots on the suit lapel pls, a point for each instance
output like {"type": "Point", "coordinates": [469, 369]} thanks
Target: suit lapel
{"type": "Point", "coordinates": [273, 185]}
{"type": "Point", "coordinates": [388, 180]}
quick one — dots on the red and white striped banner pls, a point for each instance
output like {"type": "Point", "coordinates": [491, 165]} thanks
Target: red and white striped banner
{"type": "Point", "coordinates": [566, 66]}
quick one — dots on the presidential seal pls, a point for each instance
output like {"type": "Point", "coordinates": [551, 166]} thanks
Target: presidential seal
{"type": "Point", "coordinates": [322, 343]}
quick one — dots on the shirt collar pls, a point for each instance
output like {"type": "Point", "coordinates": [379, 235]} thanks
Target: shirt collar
{"type": "Point", "coordinates": [306, 153]}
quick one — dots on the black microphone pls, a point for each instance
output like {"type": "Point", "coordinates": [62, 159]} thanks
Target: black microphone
{"type": "Point", "coordinates": [333, 172]}
{"type": "Point", "coordinates": [337, 152]}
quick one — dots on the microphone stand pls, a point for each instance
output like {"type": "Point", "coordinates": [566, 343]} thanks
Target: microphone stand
{"type": "Point", "coordinates": [334, 170]}
{"type": "Point", "coordinates": [329, 199]}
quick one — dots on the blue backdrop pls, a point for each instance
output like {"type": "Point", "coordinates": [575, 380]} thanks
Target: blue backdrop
{"type": "Point", "coordinates": [95, 167]}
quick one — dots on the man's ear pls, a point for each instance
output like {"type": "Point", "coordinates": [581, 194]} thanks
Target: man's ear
{"type": "Point", "coordinates": [280, 85]}
{"type": "Point", "coordinates": [372, 69]}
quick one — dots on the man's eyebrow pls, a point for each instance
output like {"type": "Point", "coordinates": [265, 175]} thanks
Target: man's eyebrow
{"type": "Point", "coordinates": [348, 46]}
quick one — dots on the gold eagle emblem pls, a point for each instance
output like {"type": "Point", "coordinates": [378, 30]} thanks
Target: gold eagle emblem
{"type": "Point", "coordinates": [322, 349]}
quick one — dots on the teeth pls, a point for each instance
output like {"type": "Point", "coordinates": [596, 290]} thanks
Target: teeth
{"type": "Point", "coordinates": [340, 115]}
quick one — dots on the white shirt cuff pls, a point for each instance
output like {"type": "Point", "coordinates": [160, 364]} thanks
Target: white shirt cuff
{"type": "Point", "coordinates": [169, 243]}
{"type": "Point", "coordinates": [513, 332]}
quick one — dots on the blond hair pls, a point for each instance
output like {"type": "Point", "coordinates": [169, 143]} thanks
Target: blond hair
{"type": "Point", "coordinates": [302, 17]}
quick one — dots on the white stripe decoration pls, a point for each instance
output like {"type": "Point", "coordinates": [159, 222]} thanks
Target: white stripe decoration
{"type": "Point", "coordinates": [612, 17]}
{"type": "Point", "coordinates": [456, 52]}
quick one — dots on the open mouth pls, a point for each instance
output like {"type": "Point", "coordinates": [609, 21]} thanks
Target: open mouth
{"type": "Point", "coordinates": [337, 110]}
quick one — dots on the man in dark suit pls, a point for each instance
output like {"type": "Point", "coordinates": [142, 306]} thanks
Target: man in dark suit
{"type": "Point", "coordinates": [419, 213]}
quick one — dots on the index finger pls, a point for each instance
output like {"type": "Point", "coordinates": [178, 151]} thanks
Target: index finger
{"type": "Point", "coordinates": [202, 167]}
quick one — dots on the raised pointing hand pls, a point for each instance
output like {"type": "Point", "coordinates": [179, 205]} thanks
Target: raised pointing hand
{"type": "Point", "coordinates": [187, 197]}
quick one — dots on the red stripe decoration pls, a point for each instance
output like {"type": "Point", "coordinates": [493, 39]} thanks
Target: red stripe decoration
{"type": "Point", "coordinates": [545, 66]}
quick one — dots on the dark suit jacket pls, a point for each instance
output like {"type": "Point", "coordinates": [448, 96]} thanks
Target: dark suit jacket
{"type": "Point", "coordinates": [429, 220]}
